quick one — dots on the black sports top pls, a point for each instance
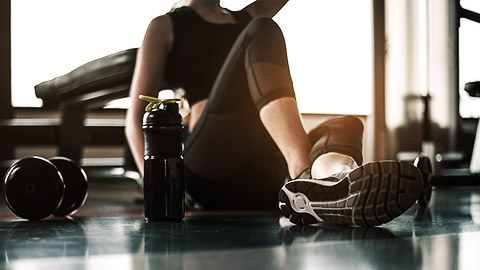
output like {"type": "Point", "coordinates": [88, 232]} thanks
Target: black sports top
{"type": "Point", "coordinates": [199, 50]}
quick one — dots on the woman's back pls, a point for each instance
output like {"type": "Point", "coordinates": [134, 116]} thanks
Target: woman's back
{"type": "Point", "coordinates": [198, 51]}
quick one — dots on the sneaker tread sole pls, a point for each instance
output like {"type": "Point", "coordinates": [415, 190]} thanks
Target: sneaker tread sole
{"type": "Point", "coordinates": [370, 195]}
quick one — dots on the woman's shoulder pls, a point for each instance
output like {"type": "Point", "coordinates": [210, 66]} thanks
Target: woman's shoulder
{"type": "Point", "coordinates": [183, 18]}
{"type": "Point", "coordinates": [162, 22]}
{"type": "Point", "coordinates": [184, 12]}
{"type": "Point", "coordinates": [241, 15]}
{"type": "Point", "coordinates": [181, 10]}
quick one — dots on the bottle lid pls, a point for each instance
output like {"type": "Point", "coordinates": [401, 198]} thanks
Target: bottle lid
{"type": "Point", "coordinates": [155, 103]}
{"type": "Point", "coordinates": [161, 112]}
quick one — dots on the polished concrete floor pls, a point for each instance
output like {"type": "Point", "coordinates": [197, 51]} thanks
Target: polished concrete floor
{"type": "Point", "coordinates": [109, 232]}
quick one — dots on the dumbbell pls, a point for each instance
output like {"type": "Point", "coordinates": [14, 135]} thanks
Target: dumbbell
{"type": "Point", "coordinates": [424, 165]}
{"type": "Point", "coordinates": [35, 188]}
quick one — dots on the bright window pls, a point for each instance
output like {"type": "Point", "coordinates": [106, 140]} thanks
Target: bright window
{"type": "Point", "coordinates": [330, 52]}
{"type": "Point", "coordinates": [469, 57]}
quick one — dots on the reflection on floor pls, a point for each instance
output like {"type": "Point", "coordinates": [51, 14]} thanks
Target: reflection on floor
{"type": "Point", "coordinates": [109, 232]}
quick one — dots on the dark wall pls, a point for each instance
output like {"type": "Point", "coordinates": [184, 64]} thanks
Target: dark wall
{"type": "Point", "coordinates": [5, 70]}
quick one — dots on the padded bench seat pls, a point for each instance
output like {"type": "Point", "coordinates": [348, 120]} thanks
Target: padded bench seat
{"type": "Point", "coordinates": [89, 86]}
{"type": "Point", "coordinates": [103, 79]}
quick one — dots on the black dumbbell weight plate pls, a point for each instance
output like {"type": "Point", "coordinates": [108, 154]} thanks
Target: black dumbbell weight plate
{"type": "Point", "coordinates": [76, 186]}
{"type": "Point", "coordinates": [422, 162]}
{"type": "Point", "coordinates": [33, 188]}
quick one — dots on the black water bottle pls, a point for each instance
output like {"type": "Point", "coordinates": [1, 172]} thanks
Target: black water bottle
{"type": "Point", "coordinates": [164, 186]}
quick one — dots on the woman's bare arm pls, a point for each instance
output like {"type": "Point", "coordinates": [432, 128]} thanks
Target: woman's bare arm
{"type": "Point", "coordinates": [265, 8]}
{"type": "Point", "coordinates": [147, 78]}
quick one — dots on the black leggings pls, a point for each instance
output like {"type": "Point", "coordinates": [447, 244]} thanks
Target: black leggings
{"type": "Point", "coordinates": [231, 161]}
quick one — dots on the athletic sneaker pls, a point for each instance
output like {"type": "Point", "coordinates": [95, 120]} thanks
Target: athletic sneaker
{"type": "Point", "coordinates": [372, 194]}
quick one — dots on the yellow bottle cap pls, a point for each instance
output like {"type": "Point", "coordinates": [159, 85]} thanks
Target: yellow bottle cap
{"type": "Point", "coordinates": [154, 103]}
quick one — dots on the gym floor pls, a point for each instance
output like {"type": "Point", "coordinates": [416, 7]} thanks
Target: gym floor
{"type": "Point", "coordinates": [109, 232]}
